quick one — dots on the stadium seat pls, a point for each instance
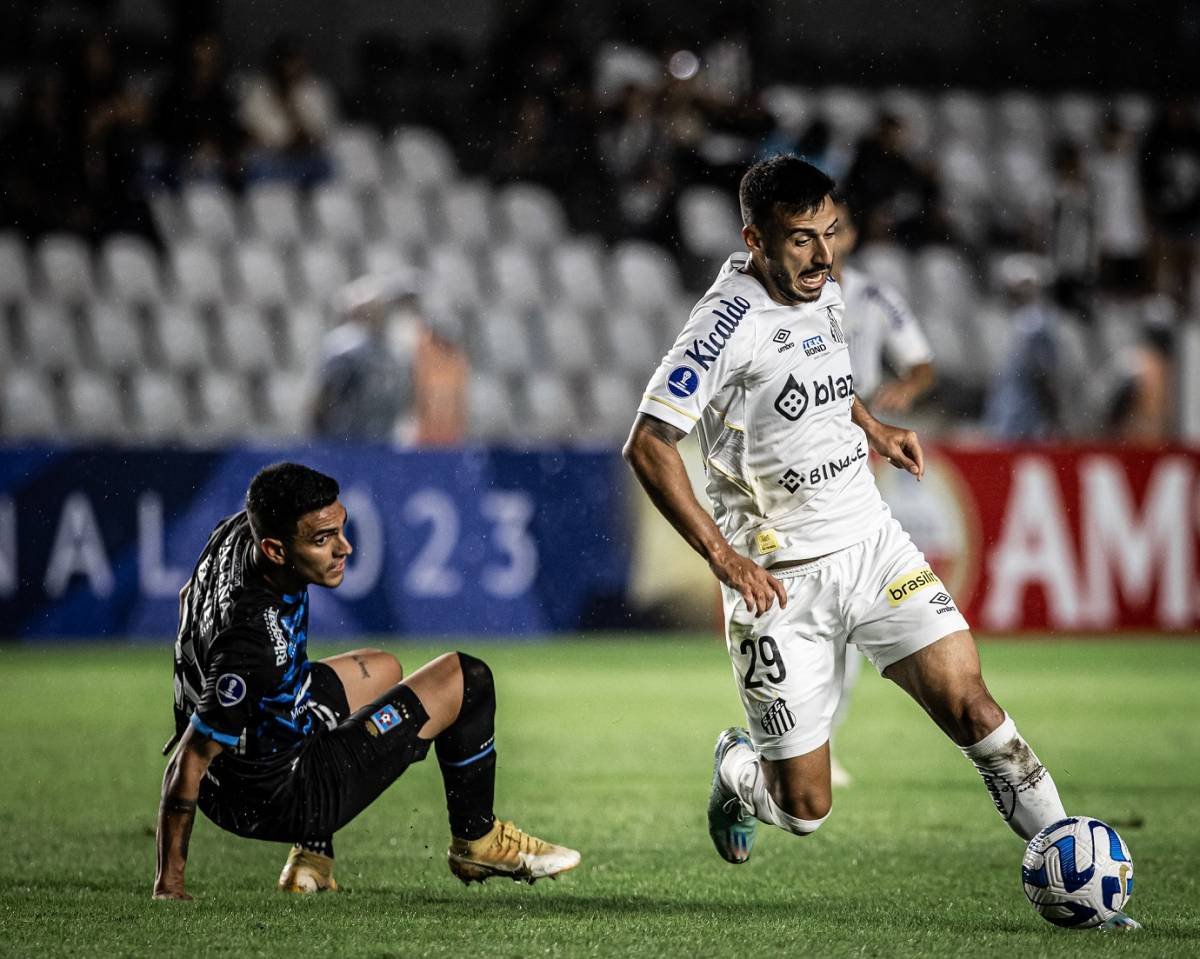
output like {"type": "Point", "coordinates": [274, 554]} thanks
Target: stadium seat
{"type": "Point", "coordinates": [262, 275]}
{"type": "Point", "coordinates": [966, 187]}
{"type": "Point", "coordinates": [531, 215]}
{"type": "Point", "coordinates": [916, 112]}
{"type": "Point", "coordinates": [1077, 116]}
{"type": "Point", "coordinates": [1022, 186]}
{"type": "Point", "coordinates": [887, 263]}
{"type": "Point", "coordinates": [130, 270]}
{"type": "Point", "coordinates": [631, 341]}
{"type": "Point", "coordinates": [614, 403]}
{"type": "Point", "coordinates": [946, 293]}
{"type": "Point", "coordinates": [404, 218]}
{"type": "Point", "coordinates": [850, 113]}
{"type": "Point", "coordinates": [337, 216]}
{"type": "Point", "coordinates": [288, 398]}
{"type": "Point", "coordinates": [569, 343]}
{"type": "Point", "coordinates": [517, 278]}
{"type": "Point", "coordinates": [224, 406]}
{"type": "Point", "coordinates": [304, 325]}
{"type": "Point", "coordinates": [114, 340]}
{"type": "Point", "coordinates": [50, 336]}
{"type": "Point", "coordinates": [963, 116]}
{"type": "Point", "coordinates": [65, 267]}
{"type": "Point", "coordinates": [503, 343]}
{"type": "Point", "coordinates": [708, 222]}
{"type": "Point", "coordinates": [167, 217]}
{"type": "Point", "coordinates": [384, 257]}
{"type": "Point", "coordinates": [792, 107]}
{"type": "Point", "coordinates": [490, 409]}
{"type": "Point", "coordinates": [28, 408]}
{"type": "Point", "coordinates": [15, 282]}
{"type": "Point", "coordinates": [181, 337]}
{"type": "Point", "coordinates": [580, 273]}
{"type": "Point", "coordinates": [1135, 111]}
{"type": "Point", "coordinates": [94, 406]}
{"type": "Point", "coordinates": [466, 214]}
{"type": "Point", "coordinates": [273, 213]}
{"type": "Point", "coordinates": [553, 407]}
{"type": "Point", "coordinates": [249, 342]}
{"type": "Point", "coordinates": [647, 276]}
{"type": "Point", "coordinates": [209, 211]}
{"type": "Point", "coordinates": [1020, 119]}
{"type": "Point", "coordinates": [323, 271]}
{"type": "Point", "coordinates": [356, 157]}
{"type": "Point", "coordinates": [422, 158]}
{"type": "Point", "coordinates": [196, 273]}
{"type": "Point", "coordinates": [159, 406]}
{"type": "Point", "coordinates": [455, 276]}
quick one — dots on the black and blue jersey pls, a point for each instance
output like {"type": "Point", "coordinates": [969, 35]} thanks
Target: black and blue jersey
{"type": "Point", "coordinates": [242, 673]}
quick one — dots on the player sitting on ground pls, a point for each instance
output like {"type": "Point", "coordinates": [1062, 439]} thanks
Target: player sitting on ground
{"type": "Point", "coordinates": [272, 746]}
{"type": "Point", "coordinates": [807, 553]}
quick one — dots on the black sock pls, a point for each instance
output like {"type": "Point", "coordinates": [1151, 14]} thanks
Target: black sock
{"type": "Point", "coordinates": [323, 846]}
{"type": "Point", "coordinates": [466, 752]}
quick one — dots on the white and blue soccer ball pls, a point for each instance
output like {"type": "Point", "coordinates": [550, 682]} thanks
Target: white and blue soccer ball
{"type": "Point", "coordinates": [1077, 872]}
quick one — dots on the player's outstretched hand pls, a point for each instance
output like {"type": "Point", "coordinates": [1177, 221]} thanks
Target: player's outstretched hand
{"type": "Point", "coordinates": [759, 588]}
{"type": "Point", "coordinates": [900, 447]}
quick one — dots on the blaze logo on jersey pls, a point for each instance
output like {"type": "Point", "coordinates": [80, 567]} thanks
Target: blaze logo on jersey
{"type": "Point", "coordinates": [682, 381]}
{"type": "Point", "coordinates": [231, 689]}
{"type": "Point", "coordinates": [793, 401]}
{"type": "Point", "coordinates": [384, 720]}
{"type": "Point", "coordinates": [705, 351]}
{"type": "Point", "coordinates": [777, 719]}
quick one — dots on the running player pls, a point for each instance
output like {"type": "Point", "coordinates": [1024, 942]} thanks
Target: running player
{"type": "Point", "coordinates": [272, 746]}
{"type": "Point", "coordinates": [807, 553]}
{"type": "Point", "coordinates": [879, 327]}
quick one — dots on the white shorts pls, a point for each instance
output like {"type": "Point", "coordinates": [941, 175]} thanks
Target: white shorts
{"type": "Point", "coordinates": [879, 594]}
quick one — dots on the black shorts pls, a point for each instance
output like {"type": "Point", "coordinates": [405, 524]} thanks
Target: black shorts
{"type": "Point", "coordinates": [335, 775]}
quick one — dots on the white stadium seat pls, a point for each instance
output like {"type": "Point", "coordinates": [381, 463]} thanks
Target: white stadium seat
{"type": "Point", "coordinates": [51, 337]}
{"type": "Point", "coordinates": [553, 407]}
{"type": "Point", "coordinates": [490, 410]}
{"type": "Point", "coordinates": [209, 210]}
{"type": "Point", "coordinates": [708, 222]}
{"type": "Point", "coordinates": [288, 397]}
{"type": "Point", "coordinates": [93, 406]}
{"type": "Point", "coordinates": [887, 263]}
{"type": "Point", "coordinates": [963, 115]}
{"type": "Point", "coordinates": [27, 405]}
{"type": "Point", "coordinates": [849, 112]}
{"type": "Point", "coordinates": [631, 341]}
{"type": "Point", "coordinates": [531, 215]}
{"type": "Point", "coordinates": [249, 341]}
{"type": "Point", "coordinates": [196, 273]}
{"type": "Point", "coordinates": [466, 213]}
{"type": "Point", "coordinates": [262, 275]}
{"type": "Point", "coordinates": [115, 341]}
{"type": "Point", "coordinates": [504, 342]}
{"type": "Point", "coordinates": [581, 275]}
{"type": "Point", "coordinates": [1021, 119]}
{"type": "Point", "coordinates": [517, 278]}
{"type": "Point", "coordinates": [422, 157]}
{"type": "Point", "coordinates": [384, 257]}
{"type": "Point", "coordinates": [455, 277]}
{"type": "Point", "coordinates": [337, 215]}
{"type": "Point", "coordinates": [356, 156]}
{"type": "Point", "coordinates": [182, 338]}
{"type": "Point", "coordinates": [323, 271]}
{"type": "Point", "coordinates": [647, 276]}
{"type": "Point", "coordinates": [130, 270]}
{"type": "Point", "coordinates": [159, 406]}
{"type": "Point", "coordinates": [223, 404]}
{"type": "Point", "coordinates": [65, 267]}
{"type": "Point", "coordinates": [569, 343]}
{"type": "Point", "coordinates": [404, 218]}
{"type": "Point", "coordinates": [15, 281]}
{"type": "Point", "coordinates": [273, 213]}
{"type": "Point", "coordinates": [614, 405]}
{"type": "Point", "coordinates": [1077, 116]}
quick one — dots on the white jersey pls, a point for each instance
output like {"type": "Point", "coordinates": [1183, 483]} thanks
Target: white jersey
{"type": "Point", "coordinates": [770, 387]}
{"type": "Point", "coordinates": [878, 324]}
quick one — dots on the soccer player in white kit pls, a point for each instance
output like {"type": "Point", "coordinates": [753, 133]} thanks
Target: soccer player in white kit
{"type": "Point", "coordinates": [808, 555]}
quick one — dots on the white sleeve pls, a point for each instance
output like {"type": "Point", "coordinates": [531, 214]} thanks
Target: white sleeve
{"type": "Point", "coordinates": [715, 347]}
{"type": "Point", "coordinates": [903, 339]}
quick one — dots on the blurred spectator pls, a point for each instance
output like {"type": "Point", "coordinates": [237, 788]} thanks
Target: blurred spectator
{"type": "Point", "coordinates": [388, 373]}
{"type": "Point", "coordinates": [1120, 215]}
{"type": "Point", "coordinates": [1142, 409]}
{"type": "Point", "coordinates": [1072, 231]}
{"type": "Point", "coordinates": [1171, 179]}
{"type": "Point", "coordinates": [195, 115]}
{"type": "Point", "coordinates": [636, 151]}
{"type": "Point", "coordinates": [895, 197]}
{"type": "Point", "coordinates": [1026, 399]}
{"type": "Point", "coordinates": [288, 114]}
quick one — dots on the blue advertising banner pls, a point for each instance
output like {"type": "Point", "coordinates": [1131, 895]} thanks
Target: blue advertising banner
{"type": "Point", "coordinates": [97, 542]}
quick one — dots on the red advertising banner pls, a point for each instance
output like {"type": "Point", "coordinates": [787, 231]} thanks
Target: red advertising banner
{"type": "Point", "coordinates": [1078, 539]}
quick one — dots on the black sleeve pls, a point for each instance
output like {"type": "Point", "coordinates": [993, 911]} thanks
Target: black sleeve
{"type": "Point", "coordinates": [240, 672]}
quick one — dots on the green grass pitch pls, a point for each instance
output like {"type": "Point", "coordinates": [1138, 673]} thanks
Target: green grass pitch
{"type": "Point", "coordinates": [605, 745]}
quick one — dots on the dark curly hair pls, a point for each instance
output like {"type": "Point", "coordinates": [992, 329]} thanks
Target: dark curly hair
{"type": "Point", "coordinates": [283, 492]}
{"type": "Point", "coordinates": [785, 181]}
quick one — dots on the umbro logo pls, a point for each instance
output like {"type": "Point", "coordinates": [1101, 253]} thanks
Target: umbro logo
{"type": "Point", "coordinates": [782, 336]}
{"type": "Point", "coordinates": [943, 601]}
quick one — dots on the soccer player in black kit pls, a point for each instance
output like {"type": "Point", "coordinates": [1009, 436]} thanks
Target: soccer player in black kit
{"type": "Point", "coordinates": [272, 746]}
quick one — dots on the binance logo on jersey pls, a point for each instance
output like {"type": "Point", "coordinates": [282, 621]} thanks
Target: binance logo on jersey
{"type": "Point", "coordinates": [706, 350]}
{"type": "Point", "coordinates": [793, 401]}
{"type": "Point", "coordinates": [901, 588]}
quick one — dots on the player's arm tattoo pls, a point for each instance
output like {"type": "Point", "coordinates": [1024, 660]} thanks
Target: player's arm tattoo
{"type": "Point", "coordinates": [660, 430]}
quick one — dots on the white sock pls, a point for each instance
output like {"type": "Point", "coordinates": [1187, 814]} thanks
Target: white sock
{"type": "Point", "coordinates": [741, 772]}
{"type": "Point", "coordinates": [1020, 786]}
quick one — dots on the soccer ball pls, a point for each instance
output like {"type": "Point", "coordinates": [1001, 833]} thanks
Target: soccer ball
{"type": "Point", "coordinates": [1077, 872]}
